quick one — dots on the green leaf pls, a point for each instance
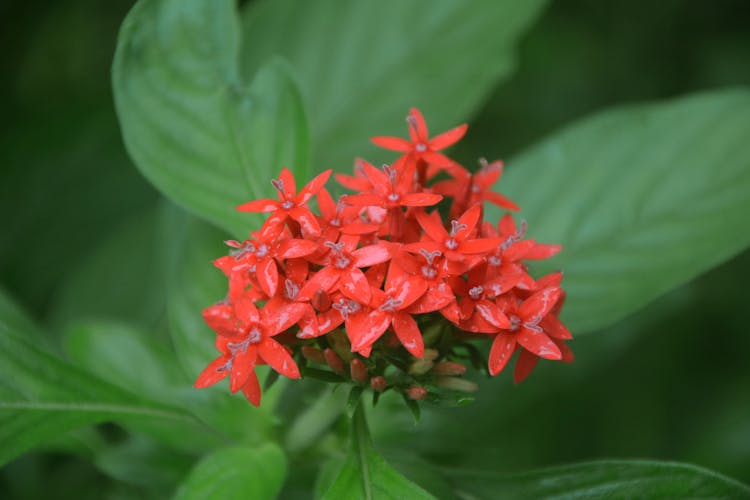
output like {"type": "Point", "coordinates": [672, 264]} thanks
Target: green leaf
{"type": "Point", "coordinates": [365, 474]}
{"type": "Point", "coordinates": [352, 402]}
{"type": "Point", "coordinates": [604, 479]}
{"type": "Point", "coordinates": [42, 396]}
{"type": "Point", "coordinates": [361, 65]}
{"type": "Point", "coordinates": [193, 126]}
{"type": "Point", "coordinates": [237, 473]}
{"type": "Point", "coordinates": [642, 199]}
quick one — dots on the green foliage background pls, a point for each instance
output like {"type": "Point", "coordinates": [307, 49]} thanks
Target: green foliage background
{"type": "Point", "coordinates": [89, 247]}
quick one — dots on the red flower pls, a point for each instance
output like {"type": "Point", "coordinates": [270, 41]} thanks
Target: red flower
{"type": "Point", "coordinates": [291, 204]}
{"type": "Point", "coordinates": [530, 329]}
{"type": "Point", "coordinates": [421, 147]}
{"type": "Point", "coordinates": [389, 309]}
{"type": "Point", "coordinates": [468, 189]}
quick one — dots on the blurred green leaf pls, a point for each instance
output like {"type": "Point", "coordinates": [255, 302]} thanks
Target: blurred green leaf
{"type": "Point", "coordinates": [604, 479]}
{"type": "Point", "coordinates": [365, 474]}
{"type": "Point", "coordinates": [237, 473]}
{"type": "Point", "coordinates": [42, 396]}
{"type": "Point", "coordinates": [642, 199]}
{"type": "Point", "coordinates": [122, 278]}
{"type": "Point", "coordinates": [195, 129]}
{"type": "Point", "coordinates": [361, 65]}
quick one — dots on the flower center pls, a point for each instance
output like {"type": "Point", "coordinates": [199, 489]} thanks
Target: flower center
{"type": "Point", "coordinates": [287, 204]}
{"type": "Point", "coordinates": [390, 304]}
{"type": "Point", "coordinates": [291, 289]}
{"type": "Point", "coordinates": [515, 322]}
{"type": "Point", "coordinates": [420, 148]}
{"type": "Point", "coordinates": [262, 251]}
{"type": "Point", "coordinates": [346, 307]}
{"type": "Point", "coordinates": [451, 244]}
{"type": "Point", "coordinates": [253, 336]}
{"type": "Point", "coordinates": [429, 272]}
{"type": "Point", "coordinates": [494, 260]}
{"type": "Point", "coordinates": [476, 292]}
{"type": "Point", "coordinates": [393, 197]}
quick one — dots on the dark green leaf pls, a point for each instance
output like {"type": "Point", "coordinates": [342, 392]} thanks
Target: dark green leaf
{"type": "Point", "coordinates": [605, 479]}
{"type": "Point", "coordinates": [192, 125]}
{"type": "Point", "coordinates": [42, 396]}
{"type": "Point", "coordinates": [365, 474]}
{"type": "Point", "coordinates": [642, 199]}
{"type": "Point", "coordinates": [413, 407]}
{"type": "Point", "coordinates": [352, 402]}
{"type": "Point", "coordinates": [322, 375]}
{"type": "Point", "coordinates": [361, 65]}
{"type": "Point", "coordinates": [237, 473]}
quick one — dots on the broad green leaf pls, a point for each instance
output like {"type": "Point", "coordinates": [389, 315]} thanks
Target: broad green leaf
{"type": "Point", "coordinates": [604, 479]}
{"type": "Point", "coordinates": [42, 396]}
{"type": "Point", "coordinates": [642, 199]}
{"type": "Point", "coordinates": [194, 127]}
{"type": "Point", "coordinates": [121, 278]}
{"type": "Point", "coordinates": [237, 473]}
{"type": "Point", "coordinates": [365, 474]}
{"type": "Point", "coordinates": [361, 65]}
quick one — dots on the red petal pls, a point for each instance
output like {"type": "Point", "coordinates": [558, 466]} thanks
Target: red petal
{"type": "Point", "coordinates": [480, 245]}
{"type": "Point", "coordinates": [500, 200]}
{"type": "Point", "coordinates": [541, 251]}
{"type": "Point", "coordinates": [278, 318]}
{"type": "Point", "coordinates": [251, 389]}
{"type": "Point", "coordinates": [539, 343]}
{"type": "Point", "coordinates": [432, 225]}
{"type": "Point", "coordinates": [354, 285]}
{"type": "Point", "coordinates": [492, 314]}
{"type": "Point", "coordinates": [501, 352]}
{"type": "Point", "coordinates": [278, 358]}
{"type": "Point", "coordinates": [392, 143]}
{"type": "Point", "coordinates": [409, 290]}
{"type": "Point", "coordinates": [448, 138]}
{"type": "Point", "coordinates": [262, 205]}
{"type": "Point", "coordinates": [354, 183]}
{"type": "Point", "coordinates": [370, 255]}
{"type": "Point", "coordinates": [436, 298]}
{"type": "Point", "coordinates": [469, 219]}
{"type": "Point", "coordinates": [436, 159]}
{"type": "Point", "coordinates": [488, 176]}
{"type": "Point", "coordinates": [502, 284]}
{"type": "Point", "coordinates": [268, 275]}
{"type": "Point", "coordinates": [567, 354]}
{"type": "Point", "coordinates": [408, 333]}
{"type": "Point", "coordinates": [539, 304]}
{"type": "Point", "coordinates": [518, 250]}
{"type": "Point", "coordinates": [364, 200]}
{"type": "Point", "coordinates": [329, 320]}
{"type": "Point", "coordinates": [555, 328]}
{"type": "Point", "coordinates": [324, 279]}
{"type": "Point", "coordinates": [417, 126]}
{"type": "Point", "coordinates": [312, 187]}
{"type": "Point", "coordinates": [246, 311]}
{"type": "Point", "coordinates": [221, 319]}
{"type": "Point", "coordinates": [294, 248]}
{"type": "Point", "coordinates": [243, 364]}
{"type": "Point", "coordinates": [213, 373]}
{"type": "Point", "coordinates": [326, 204]}
{"type": "Point", "coordinates": [306, 219]}
{"type": "Point", "coordinates": [524, 364]}
{"type": "Point", "coordinates": [507, 225]}
{"type": "Point", "coordinates": [420, 199]}
{"type": "Point", "coordinates": [363, 330]}
{"type": "Point", "coordinates": [290, 185]}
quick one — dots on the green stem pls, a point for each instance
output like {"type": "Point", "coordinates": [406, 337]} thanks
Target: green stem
{"type": "Point", "coordinates": [360, 444]}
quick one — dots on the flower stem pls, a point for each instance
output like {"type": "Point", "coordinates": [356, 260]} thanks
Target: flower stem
{"type": "Point", "coordinates": [360, 444]}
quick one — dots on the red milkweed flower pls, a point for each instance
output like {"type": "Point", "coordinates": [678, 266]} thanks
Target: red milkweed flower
{"type": "Point", "coordinates": [290, 204]}
{"type": "Point", "coordinates": [420, 146]}
{"type": "Point", "coordinates": [379, 293]}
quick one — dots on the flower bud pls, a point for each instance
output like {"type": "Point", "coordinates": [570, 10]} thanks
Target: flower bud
{"type": "Point", "coordinates": [416, 393]}
{"type": "Point", "coordinates": [321, 301]}
{"type": "Point", "coordinates": [456, 384]}
{"type": "Point", "coordinates": [420, 367]}
{"type": "Point", "coordinates": [378, 383]}
{"type": "Point", "coordinates": [449, 368]}
{"type": "Point", "coordinates": [334, 361]}
{"type": "Point", "coordinates": [431, 354]}
{"type": "Point", "coordinates": [358, 370]}
{"type": "Point", "coordinates": [313, 354]}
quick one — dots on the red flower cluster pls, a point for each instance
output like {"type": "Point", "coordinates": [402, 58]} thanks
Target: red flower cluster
{"type": "Point", "coordinates": [384, 266]}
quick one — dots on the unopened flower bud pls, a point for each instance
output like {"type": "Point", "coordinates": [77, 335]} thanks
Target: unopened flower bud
{"type": "Point", "coordinates": [449, 368]}
{"type": "Point", "coordinates": [313, 354]}
{"type": "Point", "coordinates": [416, 393]}
{"type": "Point", "coordinates": [378, 383]}
{"type": "Point", "coordinates": [431, 354]}
{"type": "Point", "coordinates": [420, 367]}
{"type": "Point", "coordinates": [358, 370]}
{"type": "Point", "coordinates": [333, 360]}
{"type": "Point", "coordinates": [456, 384]}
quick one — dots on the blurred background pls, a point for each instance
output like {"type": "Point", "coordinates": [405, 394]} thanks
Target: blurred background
{"type": "Point", "coordinates": [672, 382]}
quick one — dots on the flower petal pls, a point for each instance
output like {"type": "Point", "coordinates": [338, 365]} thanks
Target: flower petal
{"type": "Point", "coordinates": [312, 187]}
{"type": "Point", "coordinates": [469, 221]}
{"type": "Point", "coordinates": [295, 248]}
{"type": "Point", "coordinates": [214, 372]}
{"type": "Point", "coordinates": [268, 275]}
{"type": "Point", "coordinates": [524, 364]}
{"type": "Point", "coordinates": [448, 138]}
{"type": "Point", "coordinates": [364, 200]}
{"type": "Point", "coordinates": [432, 225]}
{"type": "Point", "coordinates": [243, 364]}
{"type": "Point", "coordinates": [492, 314]}
{"type": "Point", "coordinates": [262, 205]}
{"type": "Point", "coordinates": [278, 358]}
{"type": "Point", "coordinates": [539, 304]}
{"type": "Point", "coordinates": [542, 251]}
{"type": "Point", "coordinates": [555, 328]}
{"type": "Point", "coordinates": [408, 334]}
{"type": "Point", "coordinates": [500, 200]}
{"type": "Point", "coordinates": [251, 389]}
{"type": "Point", "coordinates": [324, 279]}
{"type": "Point", "coordinates": [392, 143]}
{"type": "Point", "coordinates": [501, 352]}
{"type": "Point", "coordinates": [420, 199]}
{"type": "Point", "coordinates": [354, 285]}
{"type": "Point", "coordinates": [280, 316]}
{"type": "Point", "coordinates": [290, 185]}
{"type": "Point", "coordinates": [417, 126]}
{"type": "Point", "coordinates": [479, 245]}
{"type": "Point", "coordinates": [370, 255]}
{"type": "Point", "coordinates": [306, 219]}
{"type": "Point", "coordinates": [539, 344]}
{"type": "Point", "coordinates": [220, 318]}
{"type": "Point", "coordinates": [364, 329]}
